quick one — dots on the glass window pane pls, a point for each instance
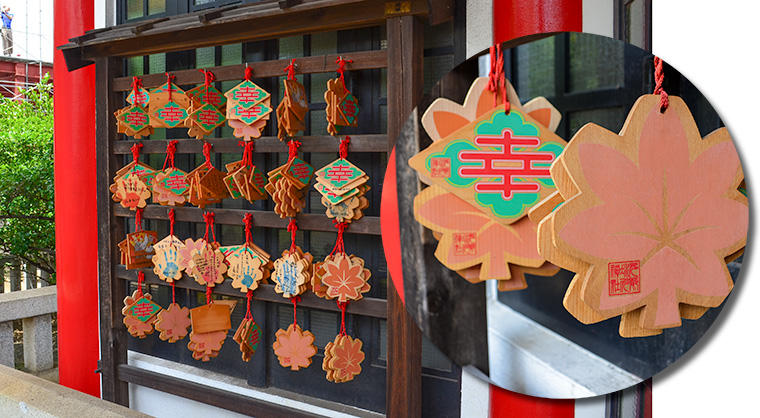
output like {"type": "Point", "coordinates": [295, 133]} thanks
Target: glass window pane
{"type": "Point", "coordinates": [436, 67]}
{"type": "Point", "coordinates": [611, 118]}
{"type": "Point", "coordinates": [535, 69]}
{"type": "Point", "coordinates": [594, 63]}
{"type": "Point", "coordinates": [433, 358]}
{"type": "Point", "coordinates": [135, 66]}
{"type": "Point", "coordinates": [324, 326]}
{"type": "Point", "coordinates": [635, 23]}
{"type": "Point", "coordinates": [134, 9]}
{"type": "Point", "coordinates": [156, 6]}
{"type": "Point", "coordinates": [291, 47]}
{"type": "Point", "coordinates": [204, 57]}
{"type": "Point", "coordinates": [157, 63]}
{"type": "Point", "coordinates": [232, 54]}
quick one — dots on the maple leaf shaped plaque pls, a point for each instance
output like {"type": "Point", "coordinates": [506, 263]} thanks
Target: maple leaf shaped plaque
{"type": "Point", "coordinates": [649, 219]}
{"type": "Point", "coordinates": [294, 347]}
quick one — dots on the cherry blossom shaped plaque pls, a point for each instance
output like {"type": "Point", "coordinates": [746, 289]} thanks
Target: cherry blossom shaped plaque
{"type": "Point", "coordinates": [172, 323]}
{"type": "Point", "coordinates": [649, 218]}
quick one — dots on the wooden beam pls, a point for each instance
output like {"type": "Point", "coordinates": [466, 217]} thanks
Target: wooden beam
{"type": "Point", "coordinates": [374, 307]}
{"type": "Point", "coordinates": [369, 225]}
{"type": "Point", "coordinates": [207, 394]}
{"type": "Point", "coordinates": [405, 81]}
{"type": "Point", "coordinates": [363, 60]}
{"type": "Point", "coordinates": [113, 340]}
{"type": "Point", "coordinates": [244, 23]}
{"type": "Point", "coordinates": [265, 144]}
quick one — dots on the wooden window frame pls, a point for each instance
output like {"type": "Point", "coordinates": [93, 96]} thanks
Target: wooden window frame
{"type": "Point", "coordinates": [403, 59]}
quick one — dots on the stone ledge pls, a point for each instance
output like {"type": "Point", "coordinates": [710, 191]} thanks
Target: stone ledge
{"type": "Point", "coordinates": [28, 303]}
{"type": "Point", "coordinates": [25, 395]}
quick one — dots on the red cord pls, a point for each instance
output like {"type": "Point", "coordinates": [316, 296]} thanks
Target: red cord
{"type": "Point", "coordinates": [208, 218]}
{"type": "Point", "coordinates": [248, 222]}
{"type": "Point", "coordinates": [138, 219]}
{"type": "Point", "coordinates": [207, 154]}
{"type": "Point", "coordinates": [295, 300]}
{"type": "Point", "coordinates": [136, 85]}
{"type": "Point", "coordinates": [659, 78]}
{"type": "Point", "coordinates": [291, 69]}
{"type": "Point", "coordinates": [136, 151]}
{"type": "Point", "coordinates": [247, 153]}
{"type": "Point", "coordinates": [343, 147]}
{"type": "Point", "coordinates": [248, 73]}
{"type": "Point", "coordinates": [174, 300]}
{"type": "Point", "coordinates": [171, 149]}
{"type": "Point", "coordinates": [249, 296]}
{"type": "Point", "coordinates": [209, 289]}
{"type": "Point", "coordinates": [171, 222]}
{"type": "Point", "coordinates": [496, 79]}
{"type": "Point", "coordinates": [339, 247]}
{"type": "Point", "coordinates": [140, 280]}
{"type": "Point", "coordinates": [169, 79]}
{"type": "Point", "coordinates": [208, 78]}
{"type": "Point", "coordinates": [293, 148]}
{"type": "Point", "coordinates": [342, 69]}
{"type": "Point", "coordinates": [342, 306]}
{"type": "Point", "coordinates": [292, 228]}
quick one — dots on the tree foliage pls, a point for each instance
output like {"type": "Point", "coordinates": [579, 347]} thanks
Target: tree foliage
{"type": "Point", "coordinates": [27, 228]}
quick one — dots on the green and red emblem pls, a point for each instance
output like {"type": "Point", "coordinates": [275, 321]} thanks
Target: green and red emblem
{"type": "Point", "coordinates": [144, 309]}
{"type": "Point", "coordinates": [247, 94]}
{"type": "Point", "coordinates": [136, 118]}
{"type": "Point", "coordinates": [253, 336]}
{"type": "Point", "coordinates": [210, 95]}
{"type": "Point", "coordinates": [300, 171]}
{"type": "Point", "coordinates": [349, 107]}
{"type": "Point", "coordinates": [175, 182]}
{"type": "Point", "coordinates": [208, 117]}
{"type": "Point", "coordinates": [250, 115]}
{"type": "Point", "coordinates": [259, 180]}
{"type": "Point", "coordinates": [333, 197]}
{"type": "Point", "coordinates": [140, 96]}
{"type": "Point", "coordinates": [340, 173]}
{"type": "Point", "coordinates": [171, 114]}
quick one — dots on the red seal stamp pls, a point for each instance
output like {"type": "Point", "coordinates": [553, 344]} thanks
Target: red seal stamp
{"type": "Point", "coordinates": [440, 167]}
{"type": "Point", "coordinates": [464, 243]}
{"type": "Point", "coordinates": [624, 277]}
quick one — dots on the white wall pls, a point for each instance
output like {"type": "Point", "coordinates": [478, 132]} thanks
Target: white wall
{"type": "Point", "coordinates": [32, 28]}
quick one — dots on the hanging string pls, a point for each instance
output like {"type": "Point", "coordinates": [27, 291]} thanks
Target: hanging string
{"type": "Point", "coordinates": [209, 289]}
{"type": "Point", "coordinates": [659, 78]}
{"type": "Point", "coordinates": [171, 149]}
{"type": "Point", "coordinates": [248, 296]}
{"type": "Point", "coordinates": [248, 222]}
{"type": "Point", "coordinates": [169, 79]}
{"type": "Point", "coordinates": [247, 153]}
{"type": "Point", "coordinates": [342, 69]}
{"type": "Point", "coordinates": [136, 86]}
{"type": "Point", "coordinates": [295, 300]}
{"type": "Point", "coordinates": [138, 219]}
{"type": "Point", "coordinates": [339, 247]}
{"type": "Point", "coordinates": [343, 147]}
{"type": "Point", "coordinates": [136, 151]}
{"type": "Point", "coordinates": [174, 300]}
{"type": "Point", "coordinates": [496, 80]}
{"type": "Point", "coordinates": [208, 218]}
{"type": "Point", "coordinates": [207, 154]}
{"type": "Point", "coordinates": [140, 280]}
{"type": "Point", "coordinates": [342, 306]}
{"type": "Point", "coordinates": [208, 78]}
{"type": "Point", "coordinates": [292, 228]}
{"type": "Point", "coordinates": [171, 223]}
{"type": "Point", "coordinates": [293, 149]}
{"type": "Point", "coordinates": [291, 69]}
{"type": "Point", "coordinates": [248, 72]}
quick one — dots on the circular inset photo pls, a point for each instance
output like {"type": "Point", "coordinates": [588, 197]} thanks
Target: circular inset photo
{"type": "Point", "coordinates": [569, 215]}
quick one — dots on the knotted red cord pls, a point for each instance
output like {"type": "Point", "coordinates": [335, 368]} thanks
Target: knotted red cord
{"type": "Point", "coordinates": [207, 154]}
{"type": "Point", "coordinates": [136, 85]}
{"type": "Point", "coordinates": [209, 289]}
{"type": "Point", "coordinates": [171, 224]}
{"type": "Point", "coordinates": [136, 151]}
{"type": "Point", "coordinates": [293, 149]}
{"type": "Point", "coordinates": [138, 219]}
{"type": "Point", "coordinates": [342, 69]}
{"type": "Point", "coordinates": [208, 78]}
{"type": "Point", "coordinates": [496, 79]}
{"type": "Point", "coordinates": [248, 222]}
{"type": "Point", "coordinates": [140, 280]}
{"type": "Point", "coordinates": [169, 79]}
{"type": "Point", "coordinates": [343, 148]}
{"type": "Point", "coordinates": [659, 78]}
{"type": "Point", "coordinates": [208, 218]}
{"type": "Point", "coordinates": [247, 153]}
{"type": "Point", "coordinates": [295, 300]}
{"type": "Point", "coordinates": [342, 306]}
{"type": "Point", "coordinates": [248, 72]}
{"type": "Point", "coordinates": [171, 149]}
{"type": "Point", "coordinates": [339, 247]}
{"type": "Point", "coordinates": [292, 228]}
{"type": "Point", "coordinates": [291, 69]}
{"type": "Point", "coordinates": [248, 296]}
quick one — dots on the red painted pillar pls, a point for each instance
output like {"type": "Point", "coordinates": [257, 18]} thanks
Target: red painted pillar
{"type": "Point", "coordinates": [75, 208]}
{"type": "Point", "coordinates": [513, 19]}
{"type": "Point", "coordinates": [516, 18]}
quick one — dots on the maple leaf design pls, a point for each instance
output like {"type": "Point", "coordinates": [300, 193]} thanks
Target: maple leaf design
{"type": "Point", "coordinates": [465, 230]}
{"type": "Point", "coordinates": [206, 346]}
{"type": "Point", "coordinates": [657, 202]}
{"type": "Point", "coordinates": [172, 323]}
{"type": "Point", "coordinates": [294, 348]}
{"type": "Point", "coordinates": [344, 279]}
{"type": "Point", "coordinates": [347, 358]}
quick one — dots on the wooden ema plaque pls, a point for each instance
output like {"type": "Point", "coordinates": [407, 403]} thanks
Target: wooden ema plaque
{"type": "Point", "coordinates": [650, 218]}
